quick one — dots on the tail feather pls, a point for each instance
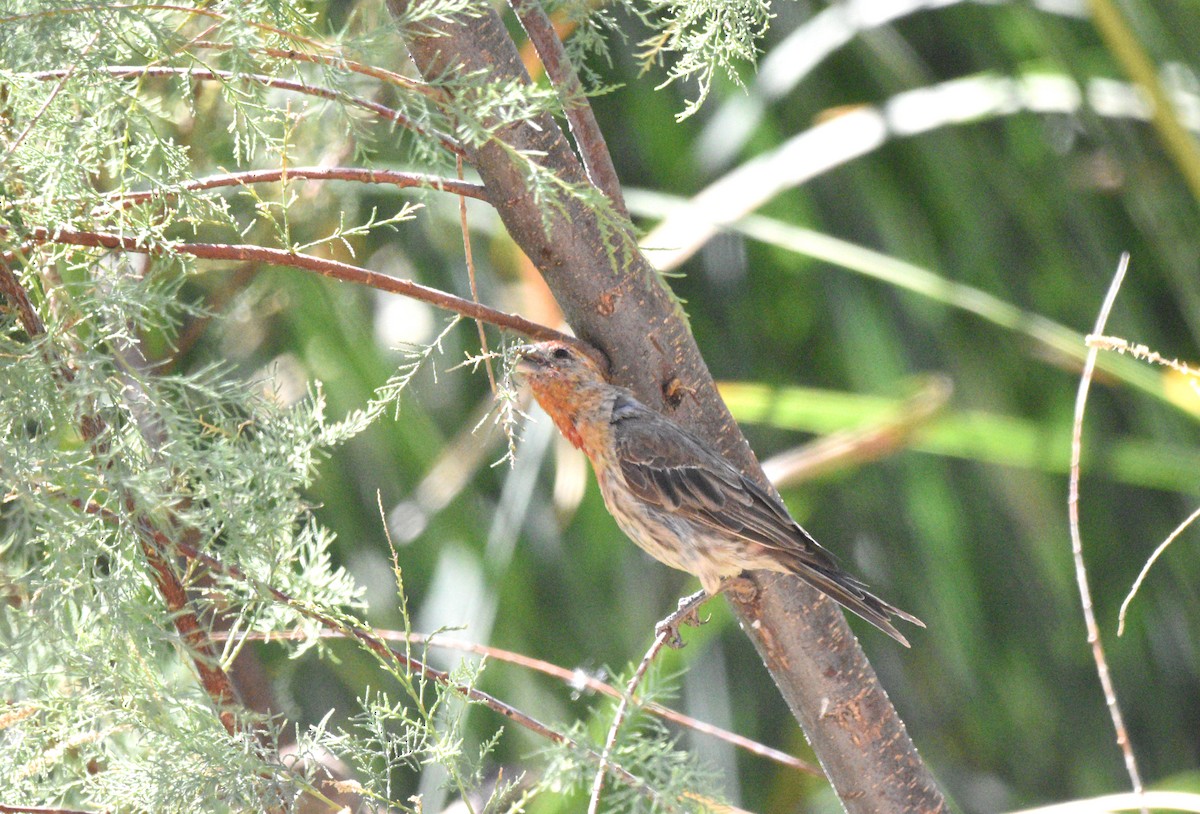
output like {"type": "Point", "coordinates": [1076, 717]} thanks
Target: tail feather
{"type": "Point", "coordinates": [854, 596]}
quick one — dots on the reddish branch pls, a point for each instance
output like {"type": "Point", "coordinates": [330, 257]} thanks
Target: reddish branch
{"type": "Point", "coordinates": [363, 175]}
{"type": "Point", "coordinates": [328, 55]}
{"type": "Point", "coordinates": [375, 644]}
{"type": "Point", "coordinates": [11, 287]}
{"type": "Point", "coordinates": [327, 268]}
{"type": "Point", "coordinates": [574, 678]}
{"type": "Point", "coordinates": [212, 677]}
{"type": "Point", "coordinates": [332, 61]}
{"type": "Point", "coordinates": [383, 111]}
{"type": "Point", "coordinates": [190, 10]}
{"type": "Point", "coordinates": [589, 139]}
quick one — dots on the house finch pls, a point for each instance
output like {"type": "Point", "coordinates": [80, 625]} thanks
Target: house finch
{"type": "Point", "coordinates": [676, 497]}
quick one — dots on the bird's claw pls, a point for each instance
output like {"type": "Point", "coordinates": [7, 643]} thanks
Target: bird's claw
{"type": "Point", "coordinates": [686, 614]}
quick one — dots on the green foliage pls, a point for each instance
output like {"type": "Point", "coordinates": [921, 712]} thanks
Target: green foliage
{"type": "Point", "coordinates": [702, 37]}
{"type": "Point", "coordinates": [969, 242]}
{"type": "Point", "coordinates": [98, 449]}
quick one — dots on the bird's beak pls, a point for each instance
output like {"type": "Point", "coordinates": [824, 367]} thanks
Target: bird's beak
{"type": "Point", "coordinates": [530, 360]}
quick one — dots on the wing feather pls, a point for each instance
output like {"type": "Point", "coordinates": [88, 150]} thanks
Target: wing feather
{"type": "Point", "coordinates": [666, 466]}
{"type": "Point", "coordinates": [669, 467]}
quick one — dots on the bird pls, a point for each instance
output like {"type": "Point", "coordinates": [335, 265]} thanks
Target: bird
{"type": "Point", "coordinates": [676, 496]}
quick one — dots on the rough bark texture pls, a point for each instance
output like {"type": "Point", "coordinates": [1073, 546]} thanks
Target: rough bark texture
{"type": "Point", "coordinates": [627, 313]}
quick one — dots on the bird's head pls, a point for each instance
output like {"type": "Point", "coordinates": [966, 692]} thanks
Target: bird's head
{"type": "Point", "coordinates": [567, 382]}
{"type": "Point", "coordinates": [547, 364]}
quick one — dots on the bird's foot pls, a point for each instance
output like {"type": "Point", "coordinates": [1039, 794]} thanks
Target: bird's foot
{"type": "Point", "coordinates": [685, 614]}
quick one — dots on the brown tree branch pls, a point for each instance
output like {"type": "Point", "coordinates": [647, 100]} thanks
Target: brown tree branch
{"type": "Point", "coordinates": [33, 120]}
{"type": "Point", "coordinates": [242, 22]}
{"type": "Point", "coordinates": [327, 268]}
{"type": "Point", "coordinates": [12, 289]}
{"type": "Point", "coordinates": [331, 60]}
{"type": "Point", "coordinates": [593, 150]}
{"type": "Point", "coordinates": [213, 678]}
{"type": "Point", "coordinates": [802, 637]}
{"type": "Point", "coordinates": [610, 740]}
{"type": "Point", "coordinates": [575, 679]}
{"type": "Point", "coordinates": [383, 111]}
{"type": "Point", "coordinates": [367, 176]}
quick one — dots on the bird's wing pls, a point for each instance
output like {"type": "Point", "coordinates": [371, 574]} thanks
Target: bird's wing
{"type": "Point", "coordinates": [667, 466]}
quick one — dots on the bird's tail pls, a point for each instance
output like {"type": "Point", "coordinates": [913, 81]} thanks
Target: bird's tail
{"type": "Point", "coordinates": [854, 596]}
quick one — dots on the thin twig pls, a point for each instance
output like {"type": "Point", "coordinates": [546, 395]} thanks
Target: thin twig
{"type": "Point", "coordinates": [1085, 596]}
{"type": "Point", "coordinates": [327, 268]}
{"type": "Point", "coordinates": [362, 174]}
{"type": "Point", "coordinates": [589, 139]}
{"type": "Point", "coordinates": [353, 629]}
{"type": "Point", "coordinates": [577, 679]}
{"type": "Point", "coordinates": [383, 111]}
{"type": "Point", "coordinates": [328, 56]}
{"type": "Point", "coordinates": [46, 104]}
{"type": "Point", "coordinates": [1137, 583]}
{"type": "Point", "coordinates": [333, 61]}
{"type": "Point", "coordinates": [205, 12]}
{"type": "Point", "coordinates": [610, 741]}
{"type": "Point", "coordinates": [466, 236]}
{"type": "Point", "coordinates": [1142, 352]}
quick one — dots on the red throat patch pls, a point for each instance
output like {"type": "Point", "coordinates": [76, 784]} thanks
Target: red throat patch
{"type": "Point", "coordinates": [567, 427]}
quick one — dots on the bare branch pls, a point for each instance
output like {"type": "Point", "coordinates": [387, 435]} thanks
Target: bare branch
{"type": "Point", "coordinates": [610, 742]}
{"type": "Point", "coordinates": [327, 268]}
{"type": "Point", "coordinates": [1085, 594]}
{"type": "Point", "coordinates": [333, 61]}
{"type": "Point", "coordinates": [1158, 552]}
{"type": "Point", "coordinates": [469, 256]}
{"type": "Point", "coordinates": [364, 175]}
{"type": "Point", "coordinates": [577, 679]}
{"type": "Point", "coordinates": [589, 140]}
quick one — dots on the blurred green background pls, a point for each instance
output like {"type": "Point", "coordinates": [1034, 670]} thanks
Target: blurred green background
{"type": "Point", "coordinates": [1024, 195]}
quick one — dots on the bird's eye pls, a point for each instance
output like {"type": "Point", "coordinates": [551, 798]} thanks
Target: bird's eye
{"type": "Point", "coordinates": [562, 353]}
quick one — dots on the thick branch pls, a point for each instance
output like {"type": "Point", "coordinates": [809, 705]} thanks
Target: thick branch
{"type": "Point", "coordinates": [802, 636]}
